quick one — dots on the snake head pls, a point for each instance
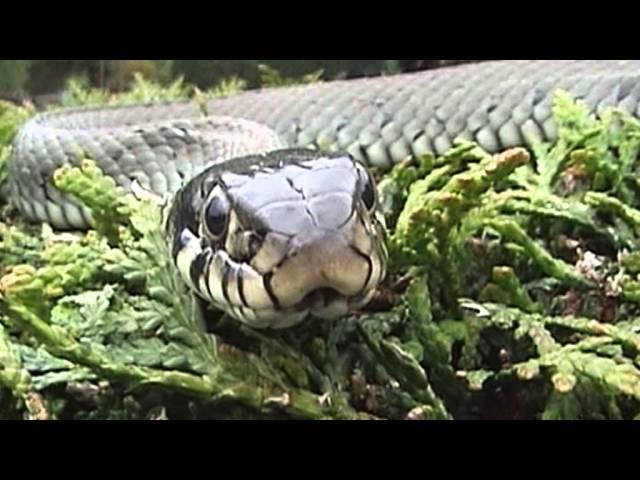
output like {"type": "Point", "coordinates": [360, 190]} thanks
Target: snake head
{"type": "Point", "coordinates": [277, 238]}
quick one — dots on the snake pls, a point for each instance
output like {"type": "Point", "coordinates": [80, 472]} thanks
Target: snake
{"type": "Point", "coordinates": [274, 216]}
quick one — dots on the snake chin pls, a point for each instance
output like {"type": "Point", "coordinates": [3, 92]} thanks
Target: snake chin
{"type": "Point", "coordinates": [328, 304]}
{"type": "Point", "coordinates": [324, 304]}
{"type": "Point", "coordinates": [321, 299]}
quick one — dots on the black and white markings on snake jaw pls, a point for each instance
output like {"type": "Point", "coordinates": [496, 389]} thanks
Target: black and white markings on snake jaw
{"type": "Point", "coordinates": [231, 277]}
{"type": "Point", "coordinates": [200, 266]}
{"type": "Point", "coordinates": [240, 283]}
{"type": "Point", "coordinates": [225, 283]}
{"type": "Point", "coordinates": [367, 259]}
{"type": "Point", "coordinates": [266, 281]}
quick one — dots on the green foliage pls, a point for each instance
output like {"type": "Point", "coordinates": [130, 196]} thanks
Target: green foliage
{"type": "Point", "coordinates": [13, 75]}
{"type": "Point", "coordinates": [604, 150]}
{"type": "Point", "coordinates": [11, 117]}
{"type": "Point", "coordinates": [260, 73]}
{"type": "Point", "coordinates": [507, 289]}
{"type": "Point", "coordinates": [205, 73]}
{"type": "Point", "coordinates": [271, 77]}
{"type": "Point", "coordinates": [493, 229]}
{"type": "Point", "coordinates": [12, 375]}
{"type": "Point", "coordinates": [589, 375]}
{"type": "Point", "coordinates": [227, 87]}
{"type": "Point", "coordinates": [142, 90]}
{"type": "Point", "coordinates": [77, 93]}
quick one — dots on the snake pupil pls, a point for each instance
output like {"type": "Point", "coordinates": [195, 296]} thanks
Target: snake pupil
{"type": "Point", "coordinates": [216, 216]}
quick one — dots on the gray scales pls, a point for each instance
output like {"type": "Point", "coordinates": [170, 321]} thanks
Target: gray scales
{"type": "Point", "coordinates": [376, 121]}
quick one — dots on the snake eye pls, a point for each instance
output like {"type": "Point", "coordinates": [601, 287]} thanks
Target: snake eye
{"type": "Point", "coordinates": [216, 214]}
{"type": "Point", "coordinates": [367, 189]}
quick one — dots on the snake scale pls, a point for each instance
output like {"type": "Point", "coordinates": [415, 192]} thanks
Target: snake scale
{"type": "Point", "coordinates": [274, 214]}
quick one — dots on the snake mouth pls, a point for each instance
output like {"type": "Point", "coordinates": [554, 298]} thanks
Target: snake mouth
{"type": "Point", "coordinates": [325, 303]}
{"type": "Point", "coordinates": [319, 298]}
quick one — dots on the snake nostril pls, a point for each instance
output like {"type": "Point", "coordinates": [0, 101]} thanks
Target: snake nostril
{"type": "Point", "coordinates": [254, 244]}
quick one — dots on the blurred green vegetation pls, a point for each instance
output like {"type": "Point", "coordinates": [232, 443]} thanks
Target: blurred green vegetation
{"type": "Point", "coordinates": [13, 75]}
{"type": "Point", "coordinates": [33, 78]}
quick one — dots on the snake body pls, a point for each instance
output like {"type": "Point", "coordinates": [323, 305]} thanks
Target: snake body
{"type": "Point", "coordinates": [238, 162]}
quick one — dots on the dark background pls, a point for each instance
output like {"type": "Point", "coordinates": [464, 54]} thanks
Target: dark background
{"type": "Point", "coordinates": [31, 79]}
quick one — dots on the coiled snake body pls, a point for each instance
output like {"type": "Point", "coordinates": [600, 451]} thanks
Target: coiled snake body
{"type": "Point", "coordinates": [275, 217]}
